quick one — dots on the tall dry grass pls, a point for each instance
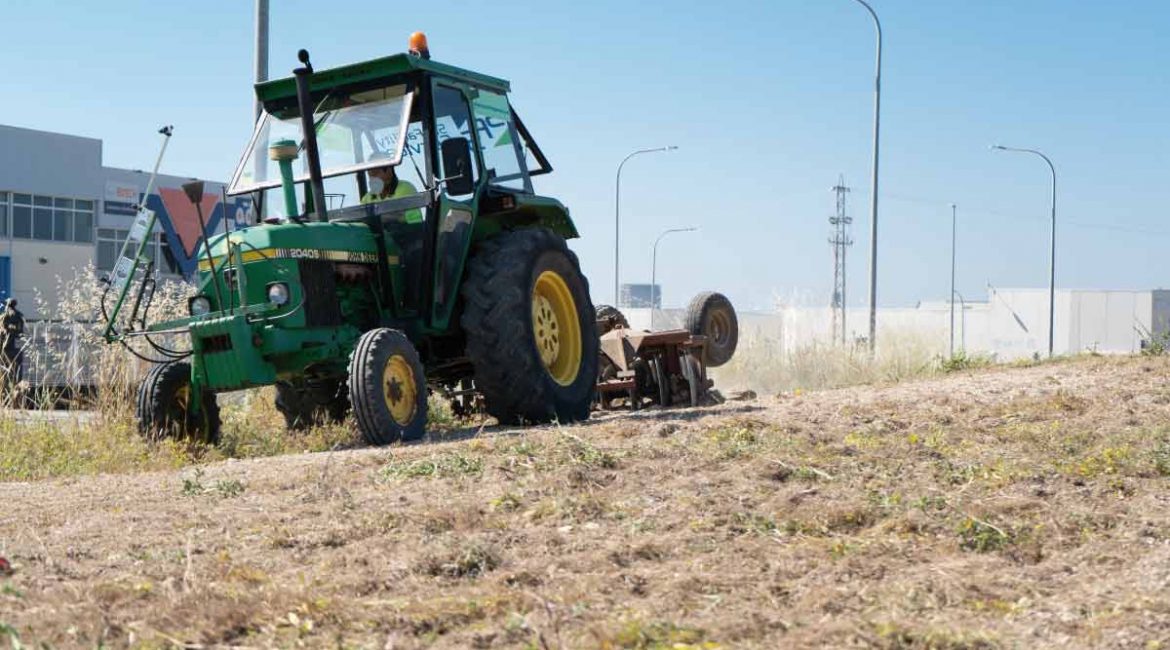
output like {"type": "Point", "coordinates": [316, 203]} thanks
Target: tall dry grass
{"type": "Point", "coordinates": [85, 423]}
{"type": "Point", "coordinates": [65, 355]}
{"type": "Point", "coordinates": [98, 431]}
{"type": "Point", "coordinates": [762, 364]}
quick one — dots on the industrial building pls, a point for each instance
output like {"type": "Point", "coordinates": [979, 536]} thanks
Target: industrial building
{"type": "Point", "coordinates": [62, 209]}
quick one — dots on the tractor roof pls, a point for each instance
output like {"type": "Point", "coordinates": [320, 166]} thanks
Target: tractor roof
{"type": "Point", "coordinates": [374, 69]}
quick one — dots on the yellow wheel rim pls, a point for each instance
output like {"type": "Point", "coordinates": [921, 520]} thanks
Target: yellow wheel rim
{"type": "Point", "coordinates": [176, 414]}
{"type": "Point", "coordinates": [400, 390]}
{"type": "Point", "coordinates": [182, 397]}
{"type": "Point", "coordinates": [556, 327]}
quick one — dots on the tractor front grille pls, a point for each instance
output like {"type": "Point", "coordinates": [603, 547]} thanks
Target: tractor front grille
{"type": "Point", "coordinates": [319, 284]}
{"type": "Point", "coordinates": [218, 343]}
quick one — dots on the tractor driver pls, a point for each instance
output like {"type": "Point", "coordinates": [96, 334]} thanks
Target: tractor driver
{"type": "Point", "coordinates": [392, 188]}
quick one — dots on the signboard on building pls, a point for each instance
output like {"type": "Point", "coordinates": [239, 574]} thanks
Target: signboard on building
{"type": "Point", "coordinates": [121, 198]}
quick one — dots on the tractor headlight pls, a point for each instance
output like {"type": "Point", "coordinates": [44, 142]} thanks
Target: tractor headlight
{"type": "Point", "coordinates": [278, 293]}
{"type": "Point", "coordinates": [198, 306]}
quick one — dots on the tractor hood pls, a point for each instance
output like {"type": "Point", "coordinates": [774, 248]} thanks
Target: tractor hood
{"type": "Point", "coordinates": [335, 242]}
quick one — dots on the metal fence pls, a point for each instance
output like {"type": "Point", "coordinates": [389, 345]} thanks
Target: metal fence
{"type": "Point", "coordinates": [59, 354]}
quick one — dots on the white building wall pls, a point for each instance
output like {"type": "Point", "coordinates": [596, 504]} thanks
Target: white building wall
{"type": "Point", "coordinates": [1011, 324]}
{"type": "Point", "coordinates": [36, 293]}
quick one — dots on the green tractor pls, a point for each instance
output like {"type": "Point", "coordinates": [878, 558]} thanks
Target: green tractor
{"type": "Point", "coordinates": [403, 250]}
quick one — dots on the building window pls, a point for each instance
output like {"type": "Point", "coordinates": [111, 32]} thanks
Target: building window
{"type": "Point", "coordinates": [111, 240]}
{"type": "Point", "coordinates": [21, 221]}
{"type": "Point", "coordinates": [43, 223]}
{"type": "Point", "coordinates": [3, 214]}
{"type": "Point", "coordinates": [107, 248]}
{"type": "Point", "coordinates": [51, 218]}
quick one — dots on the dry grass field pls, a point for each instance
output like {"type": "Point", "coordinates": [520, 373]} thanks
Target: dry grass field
{"type": "Point", "coordinates": [1015, 507]}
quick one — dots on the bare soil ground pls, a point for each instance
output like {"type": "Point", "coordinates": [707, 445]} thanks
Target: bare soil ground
{"type": "Point", "coordinates": [1018, 508]}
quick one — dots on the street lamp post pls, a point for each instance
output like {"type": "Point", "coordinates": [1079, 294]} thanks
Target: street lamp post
{"type": "Point", "coordinates": [261, 54]}
{"type": "Point", "coordinates": [954, 221]}
{"type": "Point", "coordinates": [654, 269]}
{"type": "Point", "coordinates": [873, 202]}
{"type": "Point", "coordinates": [1052, 252]}
{"type": "Point", "coordinates": [617, 221]}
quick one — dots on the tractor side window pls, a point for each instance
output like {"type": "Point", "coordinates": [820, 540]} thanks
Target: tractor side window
{"type": "Point", "coordinates": [499, 142]}
{"type": "Point", "coordinates": [414, 158]}
{"type": "Point", "coordinates": [452, 120]}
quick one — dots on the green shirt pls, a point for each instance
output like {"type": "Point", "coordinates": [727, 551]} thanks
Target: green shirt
{"type": "Point", "coordinates": [404, 188]}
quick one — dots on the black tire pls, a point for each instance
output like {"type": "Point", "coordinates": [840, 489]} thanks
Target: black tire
{"type": "Point", "coordinates": [374, 385]}
{"type": "Point", "coordinates": [710, 314]}
{"type": "Point", "coordinates": [503, 276]}
{"type": "Point", "coordinates": [612, 317]}
{"type": "Point", "coordinates": [163, 410]}
{"type": "Point", "coordinates": [304, 406]}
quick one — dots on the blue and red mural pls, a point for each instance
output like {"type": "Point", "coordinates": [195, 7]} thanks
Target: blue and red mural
{"type": "Point", "coordinates": [180, 221]}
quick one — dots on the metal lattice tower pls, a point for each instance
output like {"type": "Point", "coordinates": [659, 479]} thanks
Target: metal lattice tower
{"type": "Point", "coordinates": [840, 242]}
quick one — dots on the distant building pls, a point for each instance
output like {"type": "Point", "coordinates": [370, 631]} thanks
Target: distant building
{"type": "Point", "coordinates": [61, 209]}
{"type": "Point", "coordinates": [640, 296]}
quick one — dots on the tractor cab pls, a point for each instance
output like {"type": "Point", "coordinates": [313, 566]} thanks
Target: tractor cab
{"type": "Point", "coordinates": [423, 152]}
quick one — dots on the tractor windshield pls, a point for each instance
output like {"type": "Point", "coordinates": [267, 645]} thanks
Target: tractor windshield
{"type": "Point", "coordinates": [355, 131]}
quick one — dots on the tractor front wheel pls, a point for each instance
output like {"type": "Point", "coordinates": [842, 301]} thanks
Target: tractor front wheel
{"type": "Point", "coordinates": [387, 388]}
{"type": "Point", "coordinates": [164, 406]}
{"type": "Point", "coordinates": [531, 329]}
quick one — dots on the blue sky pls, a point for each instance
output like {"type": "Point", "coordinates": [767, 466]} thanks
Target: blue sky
{"type": "Point", "coordinates": [768, 102]}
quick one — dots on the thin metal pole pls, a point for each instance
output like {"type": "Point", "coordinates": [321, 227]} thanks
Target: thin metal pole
{"type": "Point", "coordinates": [261, 54]}
{"type": "Point", "coordinates": [1052, 265]}
{"type": "Point", "coordinates": [954, 221]}
{"type": "Point", "coordinates": [1052, 244]}
{"type": "Point", "coordinates": [873, 203]}
{"type": "Point", "coordinates": [654, 269]}
{"type": "Point", "coordinates": [962, 321]}
{"type": "Point", "coordinates": [617, 220]}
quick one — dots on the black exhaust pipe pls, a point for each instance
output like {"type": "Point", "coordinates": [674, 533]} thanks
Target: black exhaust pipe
{"type": "Point", "coordinates": [308, 126]}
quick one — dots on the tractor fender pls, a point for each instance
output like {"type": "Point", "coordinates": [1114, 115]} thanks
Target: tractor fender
{"type": "Point", "coordinates": [533, 211]}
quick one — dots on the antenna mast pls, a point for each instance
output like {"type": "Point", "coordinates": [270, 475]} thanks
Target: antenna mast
{"type": "Point", "coordinates": [840, 242]}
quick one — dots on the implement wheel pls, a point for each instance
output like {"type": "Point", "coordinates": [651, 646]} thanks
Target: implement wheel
{"type": "Point", "coordinates": [387, 388]}
{"type": "Point", "coordinates": [164, 406]}
{"type": "Point", "coordinates": [304, 406]}
{"type": "Point", "coordinates": [612, 316]}
{"type": "Point", "coordinates": [531, 329]}
{"type": "Point", "coordinates": [710, 314]}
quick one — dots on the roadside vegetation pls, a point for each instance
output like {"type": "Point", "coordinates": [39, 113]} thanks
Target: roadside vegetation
{"type": "Point", "coordinates": [764, 364]}
{"type": "Point", "coordinates": [97, 433]}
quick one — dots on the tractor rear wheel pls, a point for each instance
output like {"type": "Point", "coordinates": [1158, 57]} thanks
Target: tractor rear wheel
{"type": "Point", "coordinates": [710, 314]}
{"type": "Point", "coordinates": [531, 329]}
{"type": "Point", "coordinates": [387, 388]}
{"type": "Point", "coordinates": [164, 406]}
{"type": "Point", "coordinates": [304, 406]}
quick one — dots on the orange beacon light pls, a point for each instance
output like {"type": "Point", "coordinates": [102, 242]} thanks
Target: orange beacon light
{"type": "Point", "coordinates": [418, 45]}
